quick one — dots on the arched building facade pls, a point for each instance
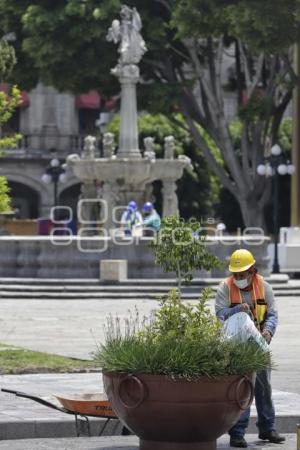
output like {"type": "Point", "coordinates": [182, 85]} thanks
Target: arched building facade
{"type": "Point", "coordinates": [52, 124]}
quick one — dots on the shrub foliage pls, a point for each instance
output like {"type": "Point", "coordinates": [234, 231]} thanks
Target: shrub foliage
{"type": "Point", "coordinates": [179, 340]}
{"type": "Point", "coordinates": [180, 248]}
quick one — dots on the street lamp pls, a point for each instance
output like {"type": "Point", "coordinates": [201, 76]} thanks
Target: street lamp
{"type": "Point", "coordinates": [55, 173]}
{"type": "Point", "coordinates": [275, 165]}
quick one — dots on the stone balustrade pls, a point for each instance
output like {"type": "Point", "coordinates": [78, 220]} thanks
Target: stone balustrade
{"type": "Point", "coordinates": [77, 257]}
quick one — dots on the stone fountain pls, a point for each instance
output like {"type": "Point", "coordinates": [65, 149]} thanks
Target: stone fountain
{"type": "Point", "coordinates": [127, 174]}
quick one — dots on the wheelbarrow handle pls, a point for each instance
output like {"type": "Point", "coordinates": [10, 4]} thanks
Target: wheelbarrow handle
{"type": "Point", "coordinates": [38, 400]}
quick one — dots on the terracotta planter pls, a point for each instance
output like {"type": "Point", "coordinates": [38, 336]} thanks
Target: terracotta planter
{"type": "Point", "coordinates": [175, 414]}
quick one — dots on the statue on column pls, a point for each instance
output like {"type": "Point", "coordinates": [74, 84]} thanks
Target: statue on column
{"type": "Point", "coordinates": [108, 145]}
{"type": "Point", "coordinates": [149, 152]}
{"type": "Point", "coordinates": [89, 147]}
{"type": "Point", "coordinates": [169, 147]}
{"type": "Point", "coordinates": [132, 45]}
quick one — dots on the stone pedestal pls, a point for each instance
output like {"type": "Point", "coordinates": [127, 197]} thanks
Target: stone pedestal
{"type": "Point", "coordinates": [113, 269]}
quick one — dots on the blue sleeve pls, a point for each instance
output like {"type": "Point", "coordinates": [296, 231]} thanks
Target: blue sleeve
{"type": "Point", "coordinates": [272, 312]}
{"type": "Point", "coordinates": [225, 313]}
{"type": "Point", "coordinates": [271, 321]}
{"type": "Point", "coordinates": [222, 305]}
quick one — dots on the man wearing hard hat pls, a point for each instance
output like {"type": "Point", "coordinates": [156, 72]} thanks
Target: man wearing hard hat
{"type": "Point", "coordinates": [246, 291]}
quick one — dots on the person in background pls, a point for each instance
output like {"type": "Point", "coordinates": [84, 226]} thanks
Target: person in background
{"type": "Point", "coordinates": [131, 218]}
{"type": "Point", "coordinates": [151, 218]}
{"type": "Point", "coordinates": [221, 229]}
{"type": "Point", "coordinates": [246, 291]}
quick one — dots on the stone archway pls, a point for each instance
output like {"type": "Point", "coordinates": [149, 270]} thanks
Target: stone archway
{"type": "Point", "coordinates": [36, 193]}
{"type": "Point", "coordinates": [25, 200]}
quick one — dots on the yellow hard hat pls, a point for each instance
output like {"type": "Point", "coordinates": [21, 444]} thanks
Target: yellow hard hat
{"type": "Point", "coordinates": [241, 260]}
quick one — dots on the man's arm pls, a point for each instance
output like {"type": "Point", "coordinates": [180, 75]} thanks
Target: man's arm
{"type": "Point", "coordinates": [222, 306]}
{"type": "Point", "coordinates": [272, 313]}
{"type": "Point", "coordinates": [138, 218]}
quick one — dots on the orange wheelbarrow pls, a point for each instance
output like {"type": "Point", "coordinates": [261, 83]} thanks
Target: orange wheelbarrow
{"type": "Point", "coordinates": [82, 406]}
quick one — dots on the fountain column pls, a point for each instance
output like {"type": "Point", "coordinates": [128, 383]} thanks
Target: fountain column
{"type": "Point", "coordinates": [110, 197]}
{"type": "Point", "coordinates": [170, 200]}
{"type": "Point", "coordinates": [87, 208]}
{"type": "Point", "coordinates": [128, 140]}
{"type": "Point", "coordinates": [169, 187]}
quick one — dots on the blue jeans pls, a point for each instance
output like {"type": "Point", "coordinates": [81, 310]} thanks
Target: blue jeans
{"type": "Point", "coordinates": [264, 407]}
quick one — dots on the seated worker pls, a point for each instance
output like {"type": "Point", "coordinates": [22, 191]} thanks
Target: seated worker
{"type": "Point", "coordinates": [151, 218]}
{"type": "Point", "coordinates": [131, 218]}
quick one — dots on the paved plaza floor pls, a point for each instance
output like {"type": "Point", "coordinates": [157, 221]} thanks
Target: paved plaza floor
{"type": "Point", "coordinates": [127, 443]}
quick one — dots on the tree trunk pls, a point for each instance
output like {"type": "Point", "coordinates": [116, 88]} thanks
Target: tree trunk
{"type": "Point", "coordinates": [252, 212]}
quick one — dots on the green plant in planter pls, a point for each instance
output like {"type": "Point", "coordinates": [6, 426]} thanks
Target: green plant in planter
{"type": "Point", "coordinates": [181, 339]}
{"type": "Point", "coordinates": [180, 248]}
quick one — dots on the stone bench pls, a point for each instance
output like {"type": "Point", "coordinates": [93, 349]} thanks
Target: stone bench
{"type": "Point", "coordinates": [113, 270]}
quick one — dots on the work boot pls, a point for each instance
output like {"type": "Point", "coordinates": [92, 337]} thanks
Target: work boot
{"type": "Point", "coordinates": [238, 441]}
{"type": "Point", "coordinates": [271, 436]}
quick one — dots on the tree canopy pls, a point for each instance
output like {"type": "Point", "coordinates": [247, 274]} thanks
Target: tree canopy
{"type": "Point", "coordinates": [8, 103]}
{"type": "Point", "coordinates": [198, 50]}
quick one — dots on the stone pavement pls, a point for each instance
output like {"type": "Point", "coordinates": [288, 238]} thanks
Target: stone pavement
{"type": "Point", "coordinates": [128, 443]}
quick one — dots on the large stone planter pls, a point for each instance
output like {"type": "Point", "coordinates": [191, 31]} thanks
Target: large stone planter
{"type": "Point", "coordinates": [176, 414]}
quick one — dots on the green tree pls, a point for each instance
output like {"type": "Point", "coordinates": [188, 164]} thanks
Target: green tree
{"type": "Point", "coordinates": [180, 248]}
{"type": "Point", "coordinates": [4, 195]}
{"type": "Point", "coordinates": [227, 207]}
{"type": "Point", "coordinates": [190, 43]}
{"type": "Point", "coordinates": [8, 103]}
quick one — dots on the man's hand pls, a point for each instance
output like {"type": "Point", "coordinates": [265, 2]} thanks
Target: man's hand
{"type": "Point", "coordinates": [244, 307]}
{"type": "Point", "coordinates": [267, 335]}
